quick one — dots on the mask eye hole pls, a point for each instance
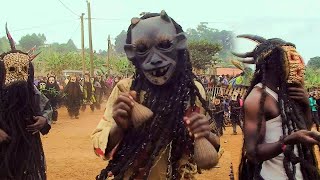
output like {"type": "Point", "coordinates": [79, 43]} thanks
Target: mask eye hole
{"type": "Point", "coordinates": [12, 69]}
{"type": "Point", "coordinates": [141, 48]}
{"type": "Point", "coordinates": [165, 44]}
{"type": "Point", "coordinates": [25, 68]}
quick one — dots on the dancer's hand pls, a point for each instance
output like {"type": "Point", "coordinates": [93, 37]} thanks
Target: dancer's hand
{"type": "Point", "coordinates": [303, 137]}
{"type": "Point", "coordinates": [298, 93]}
{"type": "Point", "coordinates": [197, 125]}
{"type": "Point", "coordinates": [4, 136]}
{"type": "Point", "coordinates": [122, 109]}
{"type": "Point", "coordinates": [38, 125]}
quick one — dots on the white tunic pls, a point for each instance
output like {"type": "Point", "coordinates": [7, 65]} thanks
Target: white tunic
{"type": "Point", "coordinates": [273, 169]}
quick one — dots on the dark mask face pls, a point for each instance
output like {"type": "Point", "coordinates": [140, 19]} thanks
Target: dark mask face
{"type": "Point", "coordinates": [154, 47]}
{"type": "Point", "coordinates": [73, 79]}
{"type": "Point", "coordinates": [99, 78]}
{"type": "Point", "coordinates": [51, 80]}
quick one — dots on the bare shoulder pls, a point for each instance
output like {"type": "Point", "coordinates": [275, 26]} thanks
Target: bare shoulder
{"type": "Point", "coordinates": [253, 98]}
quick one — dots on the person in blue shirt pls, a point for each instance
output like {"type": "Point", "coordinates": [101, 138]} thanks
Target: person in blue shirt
{"type": "Point", "coordinates": [314, 110]}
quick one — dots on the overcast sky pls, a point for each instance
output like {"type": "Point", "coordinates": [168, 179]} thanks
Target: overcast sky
{"type": "Point", "coordinates": [292, 20]}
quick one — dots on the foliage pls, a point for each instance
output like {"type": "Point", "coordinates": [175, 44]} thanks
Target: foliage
{"type": "Point", "coordinates": [28, 41]}
{"type": "Point", "coordinates": [224, 38]}
{"type": "Point", "coordinates": [57, 62]}
{"type": "Point", "coordinates": [120, 41]}
{"type": "Point", "coordinates": [312, 78]}
{"type": "Point", "coordinates": [202, 53]}
{"type": "Point", "coordinates": [64, 48]}
{"type": "Point", "coordinates": [314, 62]}
{"type": "Point", "coordinates": [247, 76]}
{"type": "Point", "coordinates": [120, 65]}
{"type": "Point", "coordinates": [4, 44]}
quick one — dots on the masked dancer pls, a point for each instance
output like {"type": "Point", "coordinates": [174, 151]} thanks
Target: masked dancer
{"type": "Point", "coordinates": [278, 142]}
{"type": "Point", "coordinates": [163, 146]}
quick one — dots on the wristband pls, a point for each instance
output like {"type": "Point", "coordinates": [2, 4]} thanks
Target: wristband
{"type": "Point", "coordinates": [283, 145]}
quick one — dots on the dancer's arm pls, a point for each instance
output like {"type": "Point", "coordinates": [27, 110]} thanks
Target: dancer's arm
{"type": "Point", "coordinates": [43, 117]}
{"type": "Point", "coordinates": [107, 135]}
{"type": "Point", "coordinates": [256, 150]}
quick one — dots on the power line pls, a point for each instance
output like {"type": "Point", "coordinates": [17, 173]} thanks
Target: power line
{"type": "Point", "coordinates": [109, 19]}
{"type": "Point", "coordinates": [76, 29]}
{"type": "Point", "coordinates": [42, 25]}
{"type": "Point", "coordinates": [68, 8]}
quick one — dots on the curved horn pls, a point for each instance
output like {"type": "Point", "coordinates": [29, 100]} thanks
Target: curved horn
{"type": "Point", "coordinates": [243, 55]}
{"type": "Point", "coordinates": [255, 38]}
{"type": "Point", "coordinates": [11, 41]}
{"type": "Point", "coordinates": [32, 49]}
{"type": "Point", "coordinates": [165, 16]}
{"type": "Point", "coordinates": [250, 60]}
{"type": "Point", "coordinates": [33, 56]}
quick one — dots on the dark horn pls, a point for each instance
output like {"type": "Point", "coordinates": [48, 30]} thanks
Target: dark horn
{"type": "Point", "coordinates": [165, 16]}
{"type": "Point", "coordinates": [250, 60]}
{"type": "Point", "coordinates": [33, 56]}
{"type": "Point", "coordinates": [11, 41]}
{"type": "Point", "coordinates": [254, 38]}
{"type": "Point", "coordinates": [32, 49]}
{"type": "Point", "coordinates": [243, 55]}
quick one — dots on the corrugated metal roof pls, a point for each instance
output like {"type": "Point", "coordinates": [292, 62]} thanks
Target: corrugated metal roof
{"type": "Point", "coordinates": [228, 71]}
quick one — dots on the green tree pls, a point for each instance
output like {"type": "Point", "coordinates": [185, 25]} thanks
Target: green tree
{"type": "Point", "coordinates": [70, 46]}
{"type": "Point", "coordinates": [314, 62]}
{"type": "Point", "coordinates": [120, 42]}
{"type": "Point", "coordinates": [312, 78]}
{"type": "Point", "coordinates": [120, 65]}
{"type": "Point", "coordinates": [64, 48]}
{"type": "Point", "coordinates": [28, 41]}
{"type": "Point", "coordinates": [224, 38]}
{"type": "Point", "coordinates": [57, 62]}
{"type": "Point", "coordinates": [4, 45]}
{"type": "Point", "coordinates": [202, 53]}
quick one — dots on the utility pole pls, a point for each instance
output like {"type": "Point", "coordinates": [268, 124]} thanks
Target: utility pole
{"type": "Point", "coordinates": [108, 58]}
{"type": "Point", "coordinates": [82, 46]}
{"type": "Point", "coordinates": [90, 39]}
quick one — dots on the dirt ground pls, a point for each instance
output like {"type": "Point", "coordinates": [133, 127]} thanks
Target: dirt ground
{"type": "Point", "coordinates": [70, 156]}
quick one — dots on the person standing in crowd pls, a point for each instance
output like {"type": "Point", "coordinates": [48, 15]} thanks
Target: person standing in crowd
{"type": "Point", "coordinates": [74, 97]}
{"type": "Point", "coordinates": [226, 106]}
{"type": "Point", "coordinates": [318, 105]}
{"type": "Point", "coordinates": [211, 83]}
{"type": "Point", "coordinates": [314, 110]}
{"type": "Point", "coordinates": [88, 93]}
{"type": "Point", "coordinates": [97, 92]}
{"type": "Point", "coordinates": [67, 79]}
{"type": "Point", "coordinates": [52, 92]}
{"type": "Point", "coordinates": [205, 82]}
{"type": "Point", "coordinates": [219, 114]}
{"type": "Point", "coordinates": [235, 108]}
{"type": "Point", "coordinates": [103, 91]}
{"type": "Point", "coordinates": [225, 80]}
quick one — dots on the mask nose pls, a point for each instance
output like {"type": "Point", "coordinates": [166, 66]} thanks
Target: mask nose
{"type": "Point", "coordinates": [156, 60]}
